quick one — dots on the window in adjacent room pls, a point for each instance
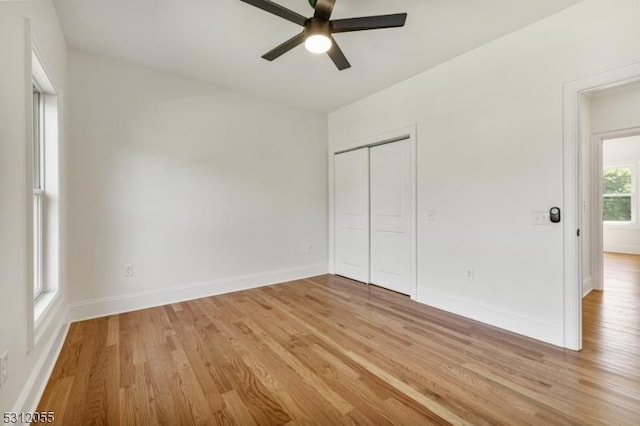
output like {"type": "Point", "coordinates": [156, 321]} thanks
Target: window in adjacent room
{"type": "Point", "coordinates": [618, 191]}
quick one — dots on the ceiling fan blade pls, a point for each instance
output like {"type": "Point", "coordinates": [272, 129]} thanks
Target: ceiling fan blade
{"type": "Point", "coordinates": [324, 8]}
{"type": "Point", "coordinates": [278, 10]}
{"type": "Point", "coordinates": [284, 47]}
{"type": "Point", "coordinates": [368, 23]}
{"type": "Point", "coordinates": [336, 55]}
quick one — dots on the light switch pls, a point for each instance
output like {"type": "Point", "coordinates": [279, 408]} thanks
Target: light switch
{"type": "Point", "coordinates": [540, 217]}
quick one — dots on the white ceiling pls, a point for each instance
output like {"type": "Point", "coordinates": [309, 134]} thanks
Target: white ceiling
{"type": "Point", "coordinates": [221, 41]}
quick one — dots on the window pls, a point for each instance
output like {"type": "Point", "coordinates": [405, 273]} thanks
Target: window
{"type": "Point", "coordinates": [44, 194]}
{"type": "Point", "coordinates": [38, 189]}
{"type": "Point", "coordinates": [618, 191]}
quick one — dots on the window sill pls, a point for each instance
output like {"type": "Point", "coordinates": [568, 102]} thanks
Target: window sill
{"type": "Point", "coordinates": [41, 307]}
{"type": "Point", "coordinates": [613, 225]}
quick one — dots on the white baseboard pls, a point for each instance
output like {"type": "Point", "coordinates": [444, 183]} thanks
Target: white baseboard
{"type": "Point", "coordinates": [148, 299]}
{"type": "Point", "coordinates": [622, 249]}
{"type": "Point", "coordinates": [587, 286]}
{"type": "Point", "coordinates": [514, 322]}
{"type": "Point", "coordinates": [36, 383]}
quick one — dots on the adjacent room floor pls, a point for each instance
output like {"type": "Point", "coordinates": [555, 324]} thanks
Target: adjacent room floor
{"type": "Point", "coordinates": [611, 318]}
{"type": "Point", "coordinates": [330, 351]}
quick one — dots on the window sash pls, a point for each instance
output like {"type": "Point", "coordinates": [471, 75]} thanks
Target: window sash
{"type": "Point", "coordinates": [37, 244]}
{"type": "Point", "coordinates": [38, 191]}
{"type": "Point", "coordinates": [38, 139]}
{"type": "Point", "coordinates": [618, 194]}
{"type": "Point", "coordinates": [631, 195]}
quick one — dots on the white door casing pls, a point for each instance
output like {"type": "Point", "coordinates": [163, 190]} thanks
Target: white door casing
{"type": "Point", "coordinates": [351, 174]}
{"type": "Point", "coordinates": [573, 90]}
{"type": "Point", "coordinates": [390, 192]}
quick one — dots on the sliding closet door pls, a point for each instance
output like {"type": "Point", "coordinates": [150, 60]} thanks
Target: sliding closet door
{"type": "Point", "coordinates": [391, 203]}
{"type": "Point", "coordinates": [352, 214]}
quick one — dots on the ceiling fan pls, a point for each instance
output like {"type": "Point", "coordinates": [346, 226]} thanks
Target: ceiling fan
{"type": "Point", "coordinates": [317, 34]}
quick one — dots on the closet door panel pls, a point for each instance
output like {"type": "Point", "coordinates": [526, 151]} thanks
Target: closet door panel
{"type": "Point", "coordinates": [390, 169]}
{"type": "Point", "coordinates": [351, 177]}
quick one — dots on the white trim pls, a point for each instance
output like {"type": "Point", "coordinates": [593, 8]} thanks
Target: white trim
{"type": "Point", "coordinates": [39, 69]}
{"type": "Point", "coordinates": [596, 243]}
{"type": "Point", "coordinates": [411, 132]}
{"type": "Point", "coordinates": [147, 299]}
{"type": "Point", "coordinates": [47, 309]}
{"type": "Point", "coordinates": [514, 322]}
{"type": "Point", "coordinates": [625, 249]}
{"type": "Point", "coordinates": [620, 225]}
{"type": "Point", "coordinates": [28, 92]}
{"type": "Point", "coordinates": [414, 211]}
{"type": "Point", "coordinates": [587, 286]}
{"type": "Point", "coordinates": [41, 372]}
{"type": "Point", "coordinates": [571, 193]}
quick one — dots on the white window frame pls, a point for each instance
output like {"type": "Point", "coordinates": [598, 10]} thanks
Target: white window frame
{"type": "Point", "coordinates": [38, 190]}
{"type": "Point", "coordinates": [45, 305]}
{"type": "Point", "coordinates": [632, 194]}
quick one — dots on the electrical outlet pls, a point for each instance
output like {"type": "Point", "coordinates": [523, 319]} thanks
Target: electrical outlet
{"type": "Point", "coordinates": [470, 274]}
{"type": "Point", "coordinates": [431, 215]}
{"type": "Point", "coordinates": [4, 368]}
{"type": "Point", "coordinates": [309, 248]}
{"type": "Point", "coordinates": [128, 270]}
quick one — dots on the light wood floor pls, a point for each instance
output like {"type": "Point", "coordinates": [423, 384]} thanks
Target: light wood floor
{"type": "Point", "coordinates": [330, 351]}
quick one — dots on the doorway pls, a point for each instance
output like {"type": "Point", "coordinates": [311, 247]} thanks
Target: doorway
{"type": "Point", "coordinates": [575, 92]}
{"type": "Point", "coordinates": [610, 169]}
{"type": "Point", "coordinates": [611, 314]}
{"type": "Point", "coordinates": [611, 218]}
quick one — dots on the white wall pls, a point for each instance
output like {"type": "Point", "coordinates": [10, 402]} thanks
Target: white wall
{"type": "Point", "coordinates": [622, 151]}
{"type": "Point", "coordinates": [202, 189]}
{"type": "Point", "coordinates": [25, 368]}
{"type": "Point", "coordinates": [616, 109]}
{"type": "Point", "coordinates": [490, 138]}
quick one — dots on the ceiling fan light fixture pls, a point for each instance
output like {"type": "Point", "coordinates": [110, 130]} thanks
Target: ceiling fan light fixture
{"type": "Point", "coordinates": [318, 43]}
{"type": "Point", "coordinates": [319, 29]}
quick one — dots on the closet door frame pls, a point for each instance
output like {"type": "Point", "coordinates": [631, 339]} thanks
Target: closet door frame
{"type": "Point", "coordinates": [407, 133]}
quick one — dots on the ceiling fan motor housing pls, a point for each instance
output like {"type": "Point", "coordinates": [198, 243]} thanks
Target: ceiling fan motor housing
{"type": "Point", "coordinates": [315, 26]}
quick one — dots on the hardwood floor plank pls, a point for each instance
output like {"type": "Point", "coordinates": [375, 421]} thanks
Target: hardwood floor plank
{"type": "Point", "coordinates": [238, 412]}
{"type": "Point", "coordinates": [411, 392]}
{"type": "Point", "coordinates": [57, 399]}
{"type": "Point", "coordinates": [327, 350]}
{"type": "Point", "coordinates": [259, 401]}
{"type": "Point", "coordinates": [307, 375]}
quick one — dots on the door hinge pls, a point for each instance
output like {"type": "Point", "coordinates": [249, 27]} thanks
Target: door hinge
{"type": "Point", "coordinates": [578, 233]}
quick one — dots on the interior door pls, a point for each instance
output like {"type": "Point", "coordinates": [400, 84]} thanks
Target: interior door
{"type": "Point", "coordinates": [351, 173]}
{"type": "Point", "coordinates": [390, 168]}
